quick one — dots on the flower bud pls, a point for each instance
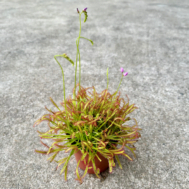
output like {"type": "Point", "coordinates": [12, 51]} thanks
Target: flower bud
{"type": "Point", "coordinates": [126, 73]}
{"type": "Point", "coordinates": [84, 9]}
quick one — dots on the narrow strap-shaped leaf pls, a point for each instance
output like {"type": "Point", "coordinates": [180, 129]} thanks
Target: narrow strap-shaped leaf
{"type": "Point", "coordinates": [79, 123]}
{"type": "Point", "coordinates": [87, 104]}
{"type": "Point", "coordinates": [131, 142]}
{"type": "Point", "coordinates": [83, 156]}
{"type": "Point", "coordinates": [71, 148]}
{"type": "Point", "coordinates": [103, 143]}
{"type": "Point", "coordinates": [62, 160]}
{"type": "Point", "coordinates": [117, 152]}
{"type": "Point", "coordinates": [77, 172]}
{"type": "Point", "coordinates": [55, 104]}
{"type": "Point", "coordinates": [50, 149]}
{"type": "Point", "coordinates": [40, 151]}
{"type": "Point", "coordinates": [49, 110]}
{"type": "Point", "coordinates": [132, 150]}
{"type": "Point", "coordinates": [112, 137]}
{"type": "Point", "coordinates": [106, 155]}
{"type": "Point", "coordinates": [64, 167]}
{"type": "Point", "coordinates": [89, 158]}
{"type": "Point", "coordinates": [41, 133]}
{"type": "Point", "coordinates": [54, 136]}
{"type": "Point", "coordinates": [52, 157]}
{"type": "Point", "coordinates": [98, 157]}
{"type": "Point", "coordinates": [110, 165]}
{"type": "Point", "coordinates": [129, 108]}
{"type": "Point", "coordinates": [135, 122]}
{"type": "Point", "coordinates": [94, 168]}
{"type": "Point", "coordinates": [132, 110]}
{"type": "Point", "coordinates": [44, 144]}
{"type": "Point", "coordinates": [107, 119]}
{"type": "Point", "coordinates": [86, 169]}
{"type": "Point", "coordinates": [117, 158]}
{"type": "Point", "coordinates": [127, 134]}
{"type": "Point", "coordinates": [127, 156]}
{"type": "Point", "coordinates": [72, 135]}
{"type": "Point", "coordinates": [86, 144]}
{"type": "Point", "coordinates": [94, 120]}
{"type": "Point", "coordinates": [66, 170]}
{"type": "Point", "coordinates": [66, 163]}
{"type": "Point", "coordinates": [43, 118]}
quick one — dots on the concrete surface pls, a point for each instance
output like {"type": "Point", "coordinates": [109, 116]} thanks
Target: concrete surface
{"type": "Point", "coordinates": [149, 39]}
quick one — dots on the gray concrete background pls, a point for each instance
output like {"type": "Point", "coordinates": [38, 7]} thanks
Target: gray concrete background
{"type": "Point", "coordinates": [148, 38]}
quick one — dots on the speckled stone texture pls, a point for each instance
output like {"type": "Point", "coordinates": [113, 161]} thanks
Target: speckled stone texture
{"type": "Point", "coordinates": [149, 39]}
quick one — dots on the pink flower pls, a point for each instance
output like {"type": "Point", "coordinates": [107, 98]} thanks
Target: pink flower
{"type": "Point", "coordinates": [126, 73]}
{"type": "Point", "coordinates": [122, 70]}
{"type": "Point", "coordinates": [84, 9]}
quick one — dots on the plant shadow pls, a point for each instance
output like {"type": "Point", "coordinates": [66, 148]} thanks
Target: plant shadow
{"type": "Point", "coordinates": [103, 175]}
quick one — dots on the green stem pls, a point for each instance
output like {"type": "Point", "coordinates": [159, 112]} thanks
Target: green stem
{"type": "Point", "coordinates": [119, 85]}
{"type": "Point", "coordinates": [116, 91]}
{"type": "Point", "coordinates": [87, 39]}
{"type": "Point", "coordinates": [64, 95]}
{"type": "Point", "coordinates": [63, 85]}
{"type": "Point", "coordinates": [76, 69]}
{"type": "Point", "coordinates": [79, 53]}
{"type": "Point", "coordinates": [107, 79]}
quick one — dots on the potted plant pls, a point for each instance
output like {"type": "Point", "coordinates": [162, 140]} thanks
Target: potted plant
{"type": "Point", "coordinates": [89, 125]}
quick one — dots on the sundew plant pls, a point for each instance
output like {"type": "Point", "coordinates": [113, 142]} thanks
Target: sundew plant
{"type": "Point", "coordinates": [89, 121]}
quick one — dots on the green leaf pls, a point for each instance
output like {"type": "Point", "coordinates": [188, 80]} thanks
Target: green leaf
{"type": "Point", "coordinates": [98, 157]}
{"type": "Point", "coordinates": [66, 163]}
{"type": "Point", "coordinates": [132, 150]}
{"type": "Point", "coordinates": [83, 156]}
{"type": "Point", "coordinates": [53, 136]}
{"type": "Point", "coordinates": [54, 104]}
{"type": "Point", "coordinates": [71, 148]}
{"type": "Point", "coordinates": [95, 170]}
{"type": "Point", "coordinates": [85, 172]}
{"type": "Point", "coordinates": [62, 160]}
{"type": "Point", "coordinates": [127, 156]}
{"type": "Point", "coordinates": [42, 152]}
{"type": "Point", "coordinates": [110, 165]}
{"type": "Point", "coordinates": [77, 172]}
{"type": "Point", "coordinates": [52, 157]}
{"type": "Point", "coordinates": [129, 108]}
{"type": "Point", "coordinates": [66, 170]}
{"type": "Point", "coordinates": [117, 158]}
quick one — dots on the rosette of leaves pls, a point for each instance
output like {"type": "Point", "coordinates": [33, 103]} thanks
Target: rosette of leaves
{"type": "Point", "coordinates": [93, 122]}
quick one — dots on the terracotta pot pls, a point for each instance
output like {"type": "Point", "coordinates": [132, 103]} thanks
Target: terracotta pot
{"type": "Point", "coordinates": [102, 165]}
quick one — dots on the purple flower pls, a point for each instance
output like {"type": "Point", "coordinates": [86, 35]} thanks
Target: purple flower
{"type": "Point", "coordinates": [77, 10]}
{"type": "Point", "coordinates": [126, 73]}
{"type": "Point", "coordinates": [122, 70]}
{"type": "Point", "coordinates": [85, 9]}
